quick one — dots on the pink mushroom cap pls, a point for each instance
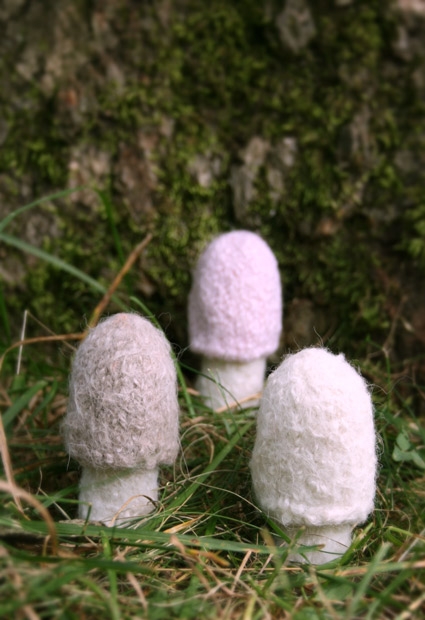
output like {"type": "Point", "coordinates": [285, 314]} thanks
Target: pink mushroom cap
{"type": "Point", "coordinates": [235, 304]}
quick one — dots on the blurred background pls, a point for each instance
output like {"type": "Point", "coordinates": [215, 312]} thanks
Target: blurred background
{"type": "Point", "coordinates": [303, 121]}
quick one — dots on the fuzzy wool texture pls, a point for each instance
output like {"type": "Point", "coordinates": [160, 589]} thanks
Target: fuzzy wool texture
{"type": "Point", "coordinates": [223, 383]}
{"type": "Point", "coordinates": [123, 410]}
{"type": "Point", "coordinates": [114, 496]}
{"type": "Point", "coordinates": [331, 542]}
{"type": "Point", "coordinates": [235, 303]}
{"type": "Point", "coordinates": [314, 459]}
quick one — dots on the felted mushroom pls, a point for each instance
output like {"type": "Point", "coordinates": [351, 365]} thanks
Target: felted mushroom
{"type": "Point", "coordinates": [235, 316]}
{"type": "Point", "coordinates": [122, 417]}
{"type": "Point", "coordinates": [314, 459]}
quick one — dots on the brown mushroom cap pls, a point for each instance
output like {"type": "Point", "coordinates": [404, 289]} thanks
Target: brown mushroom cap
{"type": "Point", "coordinates": [123, 410]}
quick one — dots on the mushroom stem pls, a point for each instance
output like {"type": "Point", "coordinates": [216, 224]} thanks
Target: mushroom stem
{"type": "Point", "coordinates": [223, 382]}
{"type": "Point", "coordinates": [333, 540]}
{"type": "Point", "coordinates": [114, 496]}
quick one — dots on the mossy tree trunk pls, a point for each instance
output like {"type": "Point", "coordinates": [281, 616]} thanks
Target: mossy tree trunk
{"type": "Point", "coordinates": [303, 121]}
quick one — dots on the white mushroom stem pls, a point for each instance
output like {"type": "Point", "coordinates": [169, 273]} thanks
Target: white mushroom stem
{"type": "Point", "coordinates": [114, 496]}
{"type": "Point", "coordinates": [332, 542]}
{"type": "Point", "coordinates": [225, 383]}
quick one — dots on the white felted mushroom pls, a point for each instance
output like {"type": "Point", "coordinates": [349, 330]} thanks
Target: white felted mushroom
{"type": "Point", "coordinates": [122, 417]}
{"type": "Point", "coordinates": [235, 316]}
{"type": "Point", "coordinates": [314, 459]}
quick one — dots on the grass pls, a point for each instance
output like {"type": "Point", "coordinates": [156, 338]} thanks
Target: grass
{"type": "Point", "coordinates": [207, 551]}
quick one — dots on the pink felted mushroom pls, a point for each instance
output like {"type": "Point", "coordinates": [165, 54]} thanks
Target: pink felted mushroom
{"type": "Point", "coordinates": [314, 460]}
{"type": "Point", "coordinates": [122, 417]}
{"type": "Point", "coordinates": [235, 316]}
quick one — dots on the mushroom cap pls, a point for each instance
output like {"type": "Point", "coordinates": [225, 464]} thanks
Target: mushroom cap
{"type": "Point", "coordinates": [235, 303]}
{"type": "Point", "coordinates": [123, 410]}
{"type": "Point", "coordinates": [314, 459]}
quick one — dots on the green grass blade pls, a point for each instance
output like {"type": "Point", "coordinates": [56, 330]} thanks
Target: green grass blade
{"type": "Point", "coordinates": [141, 536]}
{"type": "Point", "coordinates": [209, 469]}
{"type": "Point", "coordinates": [107, 203]}
{"type": "Point", "coordinates": [148, 314]}
{"type": "Point", "coordinates": [62, 194]}
{"type": "Point", "coordinates": [20, 404]}
{"type": "Point", "coordinates": [362, 587]}
{"type": "Point", "coordinates": [4, 318]}
{"type": "Point", "coordinates": [113, 583]}
{"type": "Point", "coordinates": [58, 263]}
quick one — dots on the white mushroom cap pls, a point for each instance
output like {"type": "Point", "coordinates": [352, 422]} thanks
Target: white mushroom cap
{"type": "Point", "coordinates": [314, 459]}
{"type": "Point", "coordinates": [235, 304]}
{"type": "Point", "coordinates": [123, 410]}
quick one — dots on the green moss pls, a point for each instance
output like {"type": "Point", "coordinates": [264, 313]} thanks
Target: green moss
{"type": "Point", "coordinates": [414, 241]}
{"type": "Point", "coordinates": [186, 220]}
{"type": "Point", "coordinates": [34, 143]}
{"type": "Point", "coordinates": [220, 75]}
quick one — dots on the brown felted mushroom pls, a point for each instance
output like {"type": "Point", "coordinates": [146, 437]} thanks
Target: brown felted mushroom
{"type": "Point", "coordinates": [122, 417]}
